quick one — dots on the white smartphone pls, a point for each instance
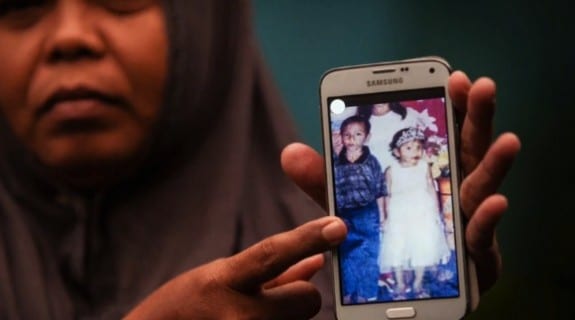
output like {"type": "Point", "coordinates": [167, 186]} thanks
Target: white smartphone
{"type": "Point", "coordinates": [391, 155]}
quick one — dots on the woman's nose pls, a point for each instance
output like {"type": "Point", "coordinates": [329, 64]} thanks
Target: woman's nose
{"type": "Point", "coordinates": [72, 33]}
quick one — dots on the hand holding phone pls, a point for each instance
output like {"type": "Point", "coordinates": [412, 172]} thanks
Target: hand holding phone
{"type": "Point", "coordinates": [392, 175]}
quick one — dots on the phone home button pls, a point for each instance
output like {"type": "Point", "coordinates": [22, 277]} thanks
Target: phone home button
{"type": "Point", "coordinates": [400, 313]}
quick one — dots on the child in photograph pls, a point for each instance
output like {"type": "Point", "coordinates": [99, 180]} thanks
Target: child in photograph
{"type": "Point", "coordinates": [336, 120]}
{"type": "Point", "coordinates": [359, 196]}
{"type": "Point", "coordinates": [413, 237]}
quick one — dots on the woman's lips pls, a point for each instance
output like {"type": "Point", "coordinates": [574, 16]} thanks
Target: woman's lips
{"type": "Point", "coordinates": [80, 111]}
{"type": "Point", "coordinates": [78, 104]}
{"type": "Point", "coordinates": [77, 109]}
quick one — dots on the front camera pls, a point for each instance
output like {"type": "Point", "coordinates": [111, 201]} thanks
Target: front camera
{"type": "Point", "coordinates": [431, 70]}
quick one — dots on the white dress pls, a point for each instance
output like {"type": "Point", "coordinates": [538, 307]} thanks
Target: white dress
{"type": "Point", "coordinates": [413, 235]}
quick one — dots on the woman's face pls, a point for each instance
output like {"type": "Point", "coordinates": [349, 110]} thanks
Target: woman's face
{"type": "Point", "coordinates": [81, 81]}
{"type": "Point", "coordinates": [380, 109]}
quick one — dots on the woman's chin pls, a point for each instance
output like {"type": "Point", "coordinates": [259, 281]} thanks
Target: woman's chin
{"type": "Point", "coordinates": [89, 166]}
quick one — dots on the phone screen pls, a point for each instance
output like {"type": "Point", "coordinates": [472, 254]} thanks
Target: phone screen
{"type": "Point", "coordinates": [392, 187]}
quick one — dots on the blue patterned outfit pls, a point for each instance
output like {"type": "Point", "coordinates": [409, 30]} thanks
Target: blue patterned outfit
{"type": "Point", "coordinates": [358, 185]}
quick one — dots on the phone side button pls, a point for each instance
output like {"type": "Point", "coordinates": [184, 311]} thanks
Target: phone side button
{"type": "Point", "coordinates": [400, 313]}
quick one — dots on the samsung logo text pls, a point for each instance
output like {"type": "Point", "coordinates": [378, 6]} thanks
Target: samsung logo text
{"type": "Point", "coordinates": [384, 82]}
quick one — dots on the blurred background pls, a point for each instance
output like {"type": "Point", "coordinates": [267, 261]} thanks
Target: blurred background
{"type": "Point", "coordinates": [526, 47]}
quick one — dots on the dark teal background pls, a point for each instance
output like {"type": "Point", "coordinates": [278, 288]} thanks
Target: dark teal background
{"type": "Point", "coordinates": [526, 47]}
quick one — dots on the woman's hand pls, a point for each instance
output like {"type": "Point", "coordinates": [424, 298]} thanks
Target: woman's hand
{"type": "Point", "coordinates": [485, 164]}
{"type": "Point", "coordinates": [266, 281]}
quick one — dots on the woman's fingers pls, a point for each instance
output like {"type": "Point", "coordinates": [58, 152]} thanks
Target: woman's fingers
{"type": "Point", "coordinates": [475, 104]}
{"type": "Point", "coordinates": [250, 269]}
{"type": "Point", "coordinates": [489, 173]}
{"type": "Point", "coordinates": [306, 168]}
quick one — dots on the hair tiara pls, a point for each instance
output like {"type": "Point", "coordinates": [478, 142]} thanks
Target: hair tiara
{"type": "Point", "coordinates": [409, 135]}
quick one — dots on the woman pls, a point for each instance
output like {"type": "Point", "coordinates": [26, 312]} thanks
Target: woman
{"type": "Point", "coordinates": [141, 140]}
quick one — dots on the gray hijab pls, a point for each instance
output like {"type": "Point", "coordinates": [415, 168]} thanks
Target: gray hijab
{"type": "Point", "coordinates": [210, 186]}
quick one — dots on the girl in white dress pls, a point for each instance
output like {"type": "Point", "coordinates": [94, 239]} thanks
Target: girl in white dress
{"type": "Point", "coordinates": [413, 235]}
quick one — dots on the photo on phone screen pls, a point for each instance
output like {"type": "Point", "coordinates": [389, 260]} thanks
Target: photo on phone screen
{"type": "Point", "coordinates": [392, 187]}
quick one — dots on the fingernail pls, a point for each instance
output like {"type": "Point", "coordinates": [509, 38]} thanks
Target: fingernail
{"type": "Point", "coordinates": [334, 232]}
